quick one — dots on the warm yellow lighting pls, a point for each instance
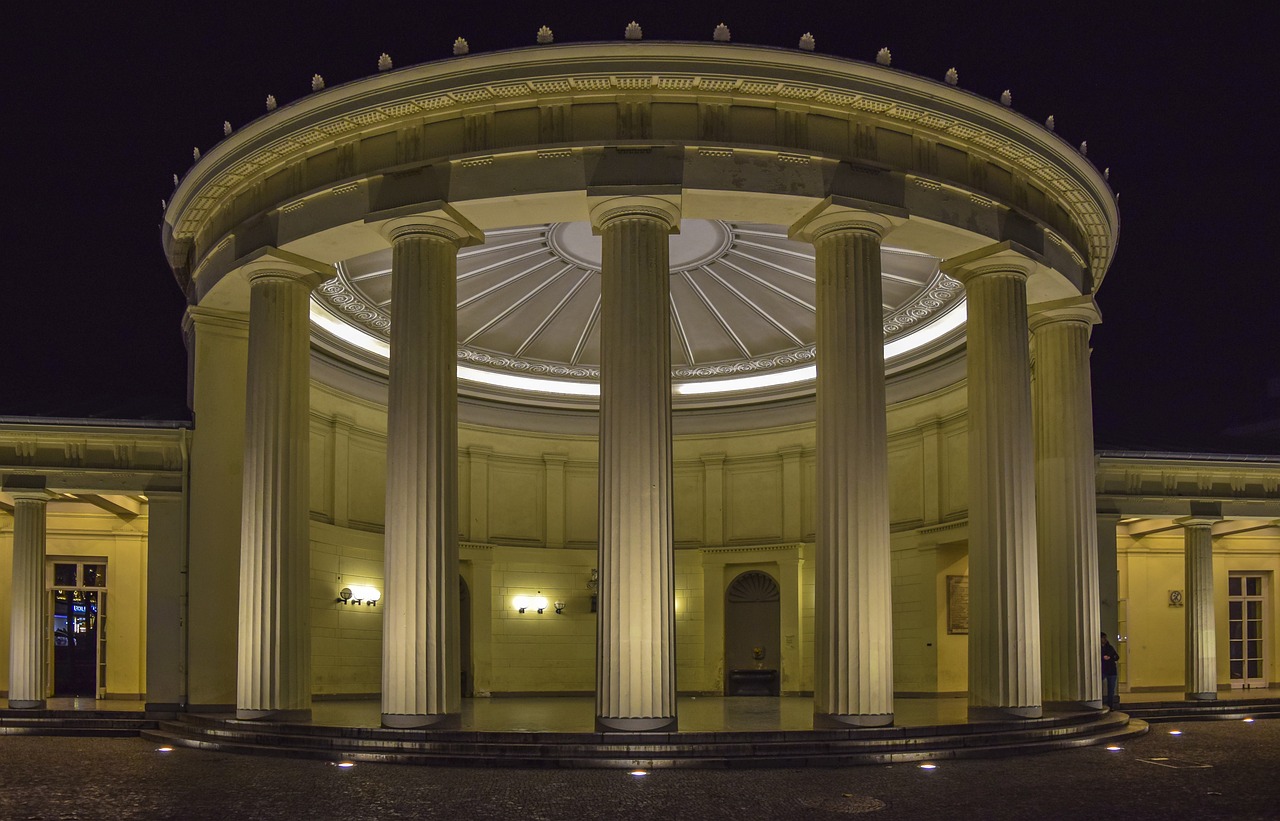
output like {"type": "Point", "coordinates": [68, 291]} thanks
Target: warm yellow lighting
{"type": "Point", "coordinates": [164, 749]}
{"type": "Point", "coordinates": [346, 765]}
{"type": "Point", "coordinates": [639, 773]}
{"type": "Point", "coordinates": [1248, 721]}
{"type": "Point", "coordinates": [1113, 748]}
{"type": "Point", "coordinates": [523, 603]}
{"type": "Point", "coordinates": [1175, 732]}
{"type": "Point", "coordinates": [928, 766]}
{"type": "Point", "coordinates": [364, 593]}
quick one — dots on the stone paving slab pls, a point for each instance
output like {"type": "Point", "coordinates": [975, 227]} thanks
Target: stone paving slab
{"type": "Point", "coordinates": [76, 778]}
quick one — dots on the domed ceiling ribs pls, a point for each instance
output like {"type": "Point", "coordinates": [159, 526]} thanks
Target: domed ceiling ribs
{"type": "Point", "coordinates": [742, 299]}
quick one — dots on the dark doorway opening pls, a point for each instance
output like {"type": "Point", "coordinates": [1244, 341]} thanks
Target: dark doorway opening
{"type": "Point", "coordinates": [464, 637]}
{"type": "Point", "coordinates": [752, 631]}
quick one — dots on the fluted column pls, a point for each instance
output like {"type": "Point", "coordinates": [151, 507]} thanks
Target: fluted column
{"type": "Point", "coordinates": [635, 659]}
{"type": "Point", "coordinates": [1202, 648]}
{"type": "Point", "coordinates": [1004, 601]}
{"type": "Point", "coordinates": [1066, 524]}
{"type": "Point", "coordinates": [421, 656]}
{"type": "Point", "coordinates": [27, 626]}
{"type": "Point", "coordinates": [853, 631]}
{"type": "Point", "coordinates": [274, 669]}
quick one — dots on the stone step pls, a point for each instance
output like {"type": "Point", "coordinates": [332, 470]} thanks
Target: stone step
{"type": "Point", "coordinates": [793, 748]}
{"type": "Point", "coordinates": [1205, 711]}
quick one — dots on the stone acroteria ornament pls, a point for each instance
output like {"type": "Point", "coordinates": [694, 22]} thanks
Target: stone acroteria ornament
{"type": "Point", "coordinates": [195, 154]}
{"type": "Point", "coordinates": [721, 34]}
{"type": "Point", "coordinates": [952, 77]}
{"type": "Point", "coordinates": [317, 82]}
{"type": "Point", "coordinates": [1049, 123]}
{"type": "Point", "coordinates": [633, 31]}
{"type": "Point", "coordinates": [1006, 98]}
{"type": "Point", "coordinates": [271, 102]}
{"type": "Point", "coordinates": [460, 47]}
{"type": "Point", "coordinates": [1084, 148]}
{"type": "Point", "coordinates": [226, 128]}
{"type": "Point", "coordinates": [384, 62]}
{"type": "Point", "coordinates": [545, 36]}
{"type": "Point", "coordinates": [883, 57]}
{"type": "Point", "coordinates": [807, 43]}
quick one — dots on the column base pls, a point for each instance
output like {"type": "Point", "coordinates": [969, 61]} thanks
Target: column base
{"type": "Point", "coordinates": [291, 716]}
{"type": "Point", "coordinates": [662, 724]}
{"type": "Point", "coordinates": [1202, 696]}
{"type": "Point", "coordinates": [26, 704]}
{"type": "Point", "coordinates": [838, 721]}
{"type": "Point", "coordinates": [1075, 706]}
{"type": "Point", "coordinates": [1004, 713]}
{"type": "Point", "coordinates": [414, 721]}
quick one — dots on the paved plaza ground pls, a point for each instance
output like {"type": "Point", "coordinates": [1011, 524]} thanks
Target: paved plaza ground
{"type": "Point", "coordinates": [1215, 769]}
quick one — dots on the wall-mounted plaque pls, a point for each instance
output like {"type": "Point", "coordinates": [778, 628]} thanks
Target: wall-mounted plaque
{"type": "Point", "coordinates": [957, 605]}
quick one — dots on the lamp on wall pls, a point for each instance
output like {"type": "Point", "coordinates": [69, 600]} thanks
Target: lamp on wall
{"type": "Point", "coordinates": [559, 608]}
{"type": "Point", "coordinates": [523, 603]}
{"type": "Point", "coordinates": [359, 594]}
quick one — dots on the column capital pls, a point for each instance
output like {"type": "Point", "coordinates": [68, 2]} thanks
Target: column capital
{"type": "Point", "coordinates": [837, 213]}
{"type": "Point", "coordinates": [27, 488]}
{"type": "Point", "coordinates": [999, 258]}
{"type": "Point", "coordinates": [431, 219]}
{"type": "Point", "coordinates": [1192, 522]}
{"type": "Point", "coordinates": [1082, 309]}
{"type": "Point", "coordinates": [663, 209]}
{"type": "Point", "coordinates": [269, 262]}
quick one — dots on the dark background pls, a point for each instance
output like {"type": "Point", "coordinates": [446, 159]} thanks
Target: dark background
{"type": "Point", "coordinates": [103, 102]}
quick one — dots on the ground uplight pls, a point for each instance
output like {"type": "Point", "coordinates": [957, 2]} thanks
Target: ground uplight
{"type": "Point", "coordinates": [1175, 732]}
{"type": "Point", "coordinates": [164, 749]}
{"type": "Point", "coordinates": [346, 765]}
{"type": "Point", "coordinates": [639, 773]}
{"type": "Point", "coordinates": [1248, 721]}
{"type": "Point", "coordinates": [928, 766]}
{"type": "Point", "coordinates": [1112, 748]}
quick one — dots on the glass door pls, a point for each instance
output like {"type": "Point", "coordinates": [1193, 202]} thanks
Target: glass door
{"type": "Point", "coordinates": [78, 634]}
{"type": "Point", "coordinates": [1245, 614]}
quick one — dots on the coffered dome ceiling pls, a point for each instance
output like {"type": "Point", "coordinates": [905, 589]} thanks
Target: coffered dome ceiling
{"type": "Point", "coordinates": [742, 312]}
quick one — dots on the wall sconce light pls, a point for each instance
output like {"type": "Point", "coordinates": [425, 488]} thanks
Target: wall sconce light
{"type": "Point", "coordinates": [559, 608]}
{"type": "Point", "coordinates": [523, 603]}
{"type": "Point", "coordinates": [359, 594]}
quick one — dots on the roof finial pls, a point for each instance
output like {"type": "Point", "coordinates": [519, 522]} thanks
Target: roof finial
{"type": "Point", "coordinates": [195, 154]}
{"type": "Point", "coordinates": [271, 102]}
{"type": "Point", "coordinates": [317, 82]}
{"type": "Point", "coordinates": [807, 42]}
{"type": "Point", "coordinates": [952, 77]}
{"type": "Point", "coordinates": [460, 47]}
{"type": "Point", "coordinates": [545, 36]}
{"type": "Point", "coordinates": [721, 34]}
{"type": "Point", "coordinates": [175, 180]}
{"type": "Point", "coordinates": [1006, 98]}
{"type": "Point", "coordinates": [1084, 148]}
{"type": "Point", "coordinates": [1106, 173]}
{"type": "Point", "coordinates": [226, 128]}
{"type": "Point", "coordinates": [633, 31]}
{"type": "Point", "coordinates": [883, 57]}
{"type": "Point", "coordinates": [1050, 123]}
{"type": "Point", "coordinates": [384, 62]}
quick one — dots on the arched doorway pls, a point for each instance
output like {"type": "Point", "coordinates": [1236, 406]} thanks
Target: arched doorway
{"type": "Point", "coordinates": [464, 636]}
{"type": "Point", "coordinates": [752, 645]}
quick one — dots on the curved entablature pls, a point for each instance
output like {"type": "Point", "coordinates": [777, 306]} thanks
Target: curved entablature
{"type": "Point", "coordinates": [747, 138]}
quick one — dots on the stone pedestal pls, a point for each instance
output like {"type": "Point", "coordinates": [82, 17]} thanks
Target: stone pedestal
{"type": "Point", "coordinates": [635, 661]}
{"type": "Point", "coordinates": [421, 661]}
{"type": "Point", "coordinates": [853, 633]}
{"type": "Point", "coordinates": [1065, 507]}
{"type": "Point", "coordinates": [1202, 648]}
{"type": "Point", "coordinates": [1004, 601]}
{"type": "Point", "coordinates": [274, 670]}
{"type": "Point", "coordinates": [27, 625]}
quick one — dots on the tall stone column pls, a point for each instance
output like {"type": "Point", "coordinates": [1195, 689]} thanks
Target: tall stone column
{"type": "Point", "coordinates": [274, 669]}
{"type": "Point", "coordinates": [27, 625]}
{"type": "Point", "coordinates": [1004, 600]}
{"type": "Point", "coordinates": [1065, 506]}
{"type": "Point", "coordinates": [1202, 648]}
{"type": "Point", "coordinates": [421, 660]}
{"type": "Point", "coordinates": [635, 639]}
{"type": "Point", "coordinates": [853, 631]}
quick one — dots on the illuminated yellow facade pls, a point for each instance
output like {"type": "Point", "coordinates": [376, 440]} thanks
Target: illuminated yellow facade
{"type": "Point", "coordinates": [498, 199]}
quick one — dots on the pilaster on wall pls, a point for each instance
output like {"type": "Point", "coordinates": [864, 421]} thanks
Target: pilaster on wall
{"type": "Point", "coordinates": [219, 367]}
{"type": "Point", "coordinates": [166, 585]}
{"type": "Point", "coordinates": [340, 468]}
{"type": "Point", "coordinates": [713, 498]}
{"type": "Point", "coordinates": [553, 464]}
{"type": "Point", "coordinates": [478, 528]}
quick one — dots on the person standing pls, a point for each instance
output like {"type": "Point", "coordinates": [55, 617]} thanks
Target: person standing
{"type": "Point", "coordinates": [1110, 673]}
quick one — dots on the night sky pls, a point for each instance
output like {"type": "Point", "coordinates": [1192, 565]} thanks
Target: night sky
{"type": "Point", "coordinates": [103, 102]}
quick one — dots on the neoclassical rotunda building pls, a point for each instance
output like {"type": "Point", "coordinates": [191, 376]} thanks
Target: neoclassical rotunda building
{"type": "Point", "coordinates": [632, 369]}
